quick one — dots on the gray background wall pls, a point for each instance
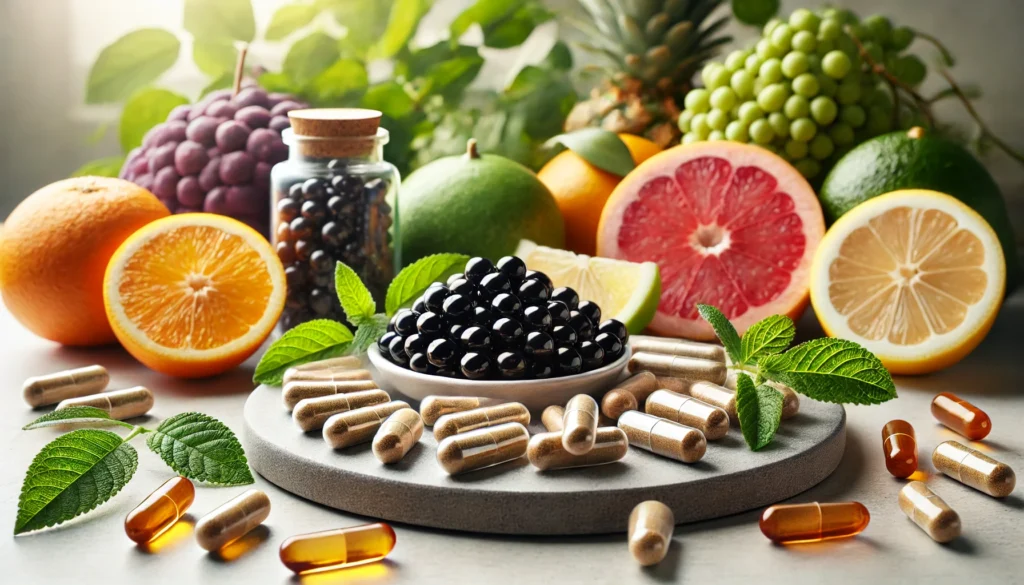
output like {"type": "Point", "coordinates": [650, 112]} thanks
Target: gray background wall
{"type": "Point", "coordinates": [46, 47]}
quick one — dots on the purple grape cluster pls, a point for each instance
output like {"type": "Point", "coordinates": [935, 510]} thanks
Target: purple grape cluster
{"type": "Point", "coordinates": [216, 155]}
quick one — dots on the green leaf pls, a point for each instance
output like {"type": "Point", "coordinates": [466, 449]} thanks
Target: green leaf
{"type": "Point", "coordinates": [514, 30]}
{"type": "Point", "coordinates": [544, 96]}
{"type": "Point", "coordinates": [103, 167]}
{"type": "Point", "coordinates": [225, 81]}
{"type": "Point", "coordinates": [345, 77]}
{"type": "Point", "coordinates": [215, 58]}
{"type": "Point", "coordinates": [724, 330]}
{"type": "Point", "coordinates": [144, 110]}
{"type": "Point", "coordinates": [311, 341]}
{"type": "Point", "coordinates": [831, 370]}
{"type": "Point", "coordinates": [71, 475]}
{"type": "Point", "coordinates": [201, 448]}
{"type": "Point", "coordinates": [364, 21]}
{"type": "Point", "coordinates": [288, 19]}
{"type": "Point", "coordinates": [768, 336]}
{"type": "Point", "coordinates": [402, 23]}
{"type": "Point", "coordinates": [278, 82]}
{"type": "Point", "coordinates": [310, 56]}
{"type": "Point", "coordinates": [759, 410]}
{"type": "Point", "coordinates": [560, 57]}
{"type": "Point", "coordinates": [391, 99]}
{"type": "Point", "coordinates": [230, 20]}
{"type": "Point", "coordinates": [451, 77]}
{"type": "Point", "coordinates": [485, 13]}
{"type": "Point", "coordinates": [356, 300]}
{"type": "Point", "coordinates": [755, 12]}
{"type": "Point", "coordinates": [599, 147]}
{"type": "Point", "coordinates": [368, 333]}
{"type": "Point", "coordinates": [416, 277]}
{"type": "Point", "coordinates": [75, 415]}
{"type": "Point", "coordinates": [132, 62]}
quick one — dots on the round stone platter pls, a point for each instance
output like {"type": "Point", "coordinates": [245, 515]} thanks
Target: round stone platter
{"type": "Point", "coordinates": [516, 498]}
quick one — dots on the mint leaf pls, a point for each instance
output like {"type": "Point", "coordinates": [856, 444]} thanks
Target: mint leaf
{"type": "Point", "coordinates": [831, 370]}
{"type": "Point", "coordinates": [309, 342]}
{"type": "Point", "coordinates": [201, 448]}
{"type": "Point", "coordinates": [71, 475]}
{"type": "Point", "coordinates": [356, 300]}
{"type": "Point", "coordinates": [368, 333]}
{"type": "Point", "coordinates": [75, 415]}
{"type": "Point", "coordinates": [416, 277]}
{"type": "Point", "coordinates": [768, 336]}
{"type": "Point", "coordinates": [724, 330]}
{"type": "Point", "coordinates": [759, 410]}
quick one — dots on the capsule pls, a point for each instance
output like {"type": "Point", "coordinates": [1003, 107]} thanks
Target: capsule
{"type": "Point", "coordinates": [675, 346]}
{"type": "Point", "coordinates": [579, 424]}
{"type": "Point", "coordinates": [686, 368]}
{"type": "Point", "coordinates": [347, 361]}
{"type": "Point", "coordinates": [813, 522]}
{"type": "Point", "coordinates": [551, 418]}
{"type": "Point", "coordinates": [899, 445]}
{"type": "Point", "coordinates": [677, 385]}
{"type": "Point", "coordinates": [160, 510]}
{"type": "Point", "coordinates": [358, 426]}
{"type": "Point", "coordinates": [337, 549]}
{"type": "Point", "coordinates": [483, 448]}
{"type": "Point", "coordinates": [650, 532]}
{"type": "Point", "coordinates": [961, 416]}
{"type": "Point", "coordinates": [628, 395]}
{"type": "Point", "coordinates": [119, 404]}
{"type": "Point", "coordinates": [341, 374]}
{"type": "Point", "coordinates": [53, 388]}
{"type": "Point", "coordinates": [686, 410]}
{"type": "Point", "coordinates": [975, 469]}
{"type": "Point", "coordinates": [397, 435]}
{"type": "Point", "coordinates": [461, 422]}
{"type": "Point", "coordinates": [663, 437]}
{"type": "Point", "coordinates": [790, 399]}
{"type": "Point", "coordinates": [547, 451]}
{"type": "Point", "coordinates": [929, 512]}
{"type": "Point", "coordinates": [310, 414]}
{"type": "Point", "coordinates": [232, 520]}
{"type": "Point", "coordinates": [434, 407]}
{"type": "Point", "coordinates": [295, 391]}
{"type": "Point", "coordinates": [715, 395]}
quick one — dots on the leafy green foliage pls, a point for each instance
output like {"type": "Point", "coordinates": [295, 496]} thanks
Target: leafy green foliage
{"type": "Point", "coordinates": [402, 22]}
{"type": "Point", "coordinates": [368, 333]}
{"type": "Point", "coordinates": [599, 147]}
{"type": "Point", "coordinates": [201, 448]}
{"type": "Point", "coordinates": [724, 330]}
{"type": "Point", "coordinates": [755, 12]}
{"type": "Point", "coordinates": [103, 167]}
{"type": "Point", "coordinates": [486, 13]}
{"type": "Point", "coordinates": [516, 28]}
{"type": "Point", "coordinates": [131, 63]}
{"type": "Point", "coordinates": [416, 277]}
{"type": "Point", "coordinates": [345, 78]}
{"type": "Point", "coordinates": [75, 415]}
{"type": "Point", "coordinates": [146, 109]}
{"type": "Point", "coordinates": [231, 20]}
{"type": "Point", "coordinates": [215, 58]}
{"type": "Point", "coordinates": [288, 19]}
{"type": "Point", "coordinates": [768, 336]}
{"type": "Point", "coordinates": [311, 56]}
{"type": "Point", "coordinates": [311, 341]}
{"type": "Point", "coordinates": [356, 300]}
{"type": "Point", "coordinates": [831, 370]}
{"type": "Point", "coordinates": [760, 411]}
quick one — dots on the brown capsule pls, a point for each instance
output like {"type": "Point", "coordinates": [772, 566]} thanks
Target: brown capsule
{"type": "Point", "coordinates": [483, 448]}
{"type": "Point", "coordinates": [686, 410]}
{"type": "Point", "coordinates": [961, 416]}
{"type": "Point", "coordinates": [677, 385]}
{"type": "Point", "coordinates": [899, 446]}
{"type": "Point", "coordinates": [397, 435]}
{"type": "Point", "coordinates": [715, 395]}
{"type": "Point", "coordinates": [327, 375]}
{"type": "Point", "coordinates": [686, 368]}
{"type": "Point", "coordinates": [119, 404]}
{"type": "Point", "coordinates": [674, 346]}
{"type": "Point", "coordinates": [929, 512]}
{"type": "Point", "coordinates": [52, 388]}
{"type": "Point", "coordinates": [347, 361]}
{"type": "Point", "coordinates": [650, 532]}
{"type": "Point", "coordinates": [310, 414]}
{"type": "Point", "coordinates": [434, 407]}
{"type": "Point", "coordinates": [358, 426]}
{"type": "Point", "coordinates": [975, 469]}
{"type": "Point", "coordinates": [295, 391]}
{"type": "Point", "coordinates": [663, 437]}
{"type": "Point", "coordinates": [629, 394]}
{"type": "Point", "coordinates": [579, 424]}
{"type": "Point", "coordinates": [232, 520]}
{"type": "Point", "coordinates": [790, 399]}
{"type": "Point", "coordinates": [551, 418]}
{"type": "Point", "coordinates": [546, 450]}
{"type": "Point", "coordinates": [461, 422]}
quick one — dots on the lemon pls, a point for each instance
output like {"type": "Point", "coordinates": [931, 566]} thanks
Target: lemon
{"type": "Point", "coordinates": [915, 276]}
{"type": "Point", "coordinates": [627, 291]}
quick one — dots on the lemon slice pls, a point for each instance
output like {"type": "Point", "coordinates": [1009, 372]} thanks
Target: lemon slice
{"type": "Point", "coordinates": [627, 291]}
{"type": "Point", "coordinates": [915, 276]}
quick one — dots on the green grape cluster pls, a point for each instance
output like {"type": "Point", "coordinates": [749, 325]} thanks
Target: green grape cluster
{"type": "Point", "coordinates": [804, 91]}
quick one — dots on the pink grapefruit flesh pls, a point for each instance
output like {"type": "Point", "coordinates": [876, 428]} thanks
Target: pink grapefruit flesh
{"type": "Point", "coordinates": [730, 225]}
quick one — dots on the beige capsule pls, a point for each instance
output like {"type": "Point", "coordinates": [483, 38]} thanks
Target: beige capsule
{"type": "Point", "coordinates": [483, 448]}
{"type": "Point", "coordinates": [397, 435]}
{"type": "Point", "coordinates": [232, 520]}
{"type": "Point", "coordinates": [295, 391]}
{"type": "Point", "coordinates": [119, 404]}
{"type": "Point", "coordinates": [628, 395]}
{"type": "Point", "coordinates": [546, 450]}
{"type": "Point", "coordinates": [677, 385]}
{"type": "Point", "coordinates": [579, 424]}
{"type": "Point", "coordinates": [686, 410]}
{"type": "Point", "coordinates": [434, 407]}
{"type": "Point", "coordinates": [461, 422]}
{"type": "Point", "coordinates": [975, 469]}
{"type": "Point", "coordinates": [715, 395]}
{"type": "Point", "coordinates": [790, 399]}
{"type": "Point", "coordinates": [327, 375]}
{"type": "Point", "coordinates": [686, 368]}
{"type": "Point", "coordinates": [551, 418]}
{"type": "Point", "coordinates": [929, 512]}
{"type": "Point", "coordinates": [347, 361]}
{"type": "Point", "coordinates": [663, 437]}
{"type": "Point", "coordinates": [310, 414]}
{"type": "Point", "coordinates": [52, 388]}
{"type": "Point", "coordinates": [650, 532]}
{"type": "Point", "coordinates": [675, 346]}
{"type": "Point", "coordinates": [358, 426]}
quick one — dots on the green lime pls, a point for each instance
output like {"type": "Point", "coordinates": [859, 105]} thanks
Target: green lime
{"type": "Point", "coordinates": [755, 12]}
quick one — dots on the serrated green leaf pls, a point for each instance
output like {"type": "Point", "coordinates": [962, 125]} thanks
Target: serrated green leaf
{"type": "Point", "coordinates": [215, 57]}
{"type": "Point", "coordinates": [344, 78]}
{"type": "Point", "coordinates": [103, 167]}
{"type": "Point", "coordinates": [288, 19]}
{"type": "Point", "coordinates": [599, 147]}
{"type": "Point", "coordinates": [831, 370]}
{"type": "Point", "coordinates": [768, 336]}
{"type": "Point", "coordinates": [759, 410]}
{"type": "Point", "coordinates": [231, 20]}
{"type": "Point", "coordinates": [311, 341]}
{"type": "Point", "coordinates": [403, 20]}
{"type": "Point", "coordinates": [368, 333]}
{"type": "Point", "coordinates": [201, 448]}
{"type": "Point", "coordinates": [71, 475]}
{"type": "Point", "coordinates": [724, 330]}
{"type": "Point", "coordinates": [356, 300]}
{"type": "Point", "coordinates": [146, 109]}
{"type": "Point", "coordinates": [416, 277]}
{"type": "Point", "coordinates": [130, 63]}
{"type": "Point", "coordinates": [76, 415]}
{"type": "Point", "coordinates": [310, 56]}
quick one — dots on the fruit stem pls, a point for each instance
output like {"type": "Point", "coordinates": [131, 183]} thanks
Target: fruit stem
{"type": "Point", "coordinates": [243, 50]}
{"type": "Point", "coordinates": [986, 133]}
{"type": "Point", "coordinates": [894, 82]}
{"type": "Point", "coordinates": [471, 149]}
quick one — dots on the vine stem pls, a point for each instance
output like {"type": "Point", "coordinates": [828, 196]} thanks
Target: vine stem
{"type": "Point", "coordinates": [243, 51]}
{"type": "Point", "coordinates": [977, 118]}
{"type": "Point", "coordinates": [135, 432]}
{"type": "Point", "coordinates": [894, 82]}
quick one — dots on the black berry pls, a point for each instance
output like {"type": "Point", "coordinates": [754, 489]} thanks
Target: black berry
{"type": "Point", "coordinates": [533, 292]}
{"type": "Point", "coordinates": [495, 283]}
{"type": "Point", "coordinates": [453, 278]}
{"type": "Point", "coordinates": [611, 345]}
{"type": "Point", "coordinates": [442, 352]}
{"type": "Point", "coordinates": [506, 304]}
{"type": "Point", "coordinates": [434, 298]}
{"type": "Point", "coordinates": [539, 276]}
{"type": "Point", "coordinates": [564, 335]}
{"type": "Point", "coordinates": [477, 269]}
{"type": "Point", "coordinates": [430, 324]}
{"type": "Point", "coordinates": [568, 361]}
{"type": "Point", "coordinates": [566, 295]}
{"type": "Point", "coordinates": [416, 343]}
{"type": "Point", "coordinates": [511, 364]}
{"type": "Point", "coordinates": [581, 325]}
{"type": "Point", "coordinates": [508, 331]}
{"type": "Point", "coordinates": [482, 316]}
{"type": "Point", "coordinates": [404, 322]}
{"type": "Point", "coordinates": [397, 350]}
{"type": "Point", "coordinates": [539, 370]}
{"type": "Point", "coordinates": [592, 354]}
{"type": "Point", "coordinates": [418, 363]}
{"type": "Point", "coordinates": [513, 267]}
{"type": "Point", "coordinates": [457, 307]}
{"type": "Point", "coordinates": [461, 286]}
{"type": "Point", "coordinates": [614, 327]}
{"type": "Point", "coordinates": [384, 342]}
{"type": "Point", "coordinates": [475, 338]}
{"type": "Point", "coordinates": [539, 345]}
{"type": "Point", "coordinates": [559, 312]}
{"type": "Point", "coordinates": [591, 310]}
{"type": "Point", "coordinates": [475, 365]}
{"type": "Point", "coordinates": [537, 318]}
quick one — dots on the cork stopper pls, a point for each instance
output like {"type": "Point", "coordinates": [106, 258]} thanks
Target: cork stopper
{"type": "Point", "coordinates": [335, 132]}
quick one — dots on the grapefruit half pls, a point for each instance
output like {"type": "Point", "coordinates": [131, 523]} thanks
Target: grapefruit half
{"type": "Point", "coordinates": [730, 225]}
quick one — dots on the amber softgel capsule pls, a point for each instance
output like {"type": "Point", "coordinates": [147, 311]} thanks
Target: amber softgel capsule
{"type": "Point", "coordinates": [360, 425]}
{"type": "Point", "coordinates": [685, 368]}
{"type": "Point", "coordinates": [686, 410]}
{"type": "Point", "coordinates": [119, 404]}
{"type": "Point", "coordinates": [293, 392]}
{"type": "Point", "coordinates": [342, 374]}
{"type": "Point", "coordinates": [160, 510]}
{"type": "Point", "coordinates": [650, 532]}
{"type": "Point", "coordinates": [397, 435]}
{"type": "Point", "coordinates": [929, 512]}
{"type": "Point", "coordinates": [483, 448]}
{"type": "Point", "coordinates": [478, 418]}
{"type": "Point", "coordinates": [232, 520]}
{"type": "Point", "coordinates": [812, 522]}
{"type": "Point", "coordinates": [679, 347]}
{"type": "Point", "coordinates": [310, 414]}
{"type": "Point", "coordinates": [961, 416]}
{"type": "Point", "coordinates": [53, 388]}
{"type": "Point", "coordinates": [434, 407]}
{"type": "Point", "coordinates": [337, 549]}
{"type": "Point", "coordinates": [579, 424]}
{"type": "Point", "coordinates": [975, 469]}
{"type": "Point", "coordinates": [551, 418]}
{"type": "Point", "coordinates": [629, 394]}
{"type": "Point", "coordinates": [546, 450]}
{"type": "Point", "coordinates": [899, 446]}
{"type": "Point", "coordinates": [663, 437]}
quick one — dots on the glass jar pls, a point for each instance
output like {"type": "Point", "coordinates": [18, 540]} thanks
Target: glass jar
{"type": "Point", "coordinates": [334, 200]}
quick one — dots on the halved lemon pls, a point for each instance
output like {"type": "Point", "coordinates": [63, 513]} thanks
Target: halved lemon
{"type": "Point", "coordinates": [195, 294]}
{"type": "Point", "coordinates": [915, 276]}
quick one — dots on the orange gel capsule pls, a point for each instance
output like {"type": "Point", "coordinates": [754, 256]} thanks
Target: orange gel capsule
{"type": "Point", "coordinates": [900, 448]}
{"type": "Point", "coordinates": [790, 523]}
{"type": "Point", "coordinates": [338, 549]}
{"type": "Point", "coordinates": [961, 416]}
{"type": "Point", "coordinates": [157, 513]}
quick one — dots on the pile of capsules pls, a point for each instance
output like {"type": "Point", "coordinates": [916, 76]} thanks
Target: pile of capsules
{"type": "Point", "coordinates": [87, 387]}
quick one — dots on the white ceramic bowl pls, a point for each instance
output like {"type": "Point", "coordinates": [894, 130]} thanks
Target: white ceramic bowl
{"type": "Point", "coordinates": [534, 394]}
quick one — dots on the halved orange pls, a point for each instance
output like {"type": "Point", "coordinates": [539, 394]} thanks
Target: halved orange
{"type": "Point", "coordinates": [194, 295]}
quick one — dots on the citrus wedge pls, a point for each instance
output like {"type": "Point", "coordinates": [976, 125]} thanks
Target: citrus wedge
{"type": "Point", "coordinates": [915, 276]}
{"type": "Point", "coordinates": [627, 291]}
{"type": "Point", "coordinates": [194, 295]}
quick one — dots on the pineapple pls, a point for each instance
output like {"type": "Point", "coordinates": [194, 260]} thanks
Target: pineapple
{"type": "Point", "coordinates": [656, 47]}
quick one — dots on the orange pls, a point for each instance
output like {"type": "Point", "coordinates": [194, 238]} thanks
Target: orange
{"type": "Point", "coordinates": [195, 294]}
{"type": "Point", "coordinates": [54, 250]}
{"type": "Point", "coordinates": [581, 190]}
